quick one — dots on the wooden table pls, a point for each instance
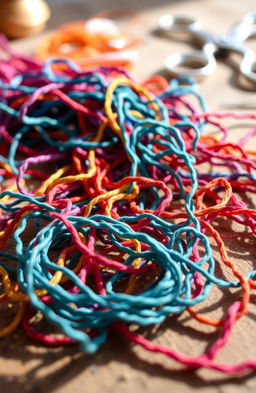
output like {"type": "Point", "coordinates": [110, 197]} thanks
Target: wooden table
{"type": "Point", "coordinates": [118, 366]}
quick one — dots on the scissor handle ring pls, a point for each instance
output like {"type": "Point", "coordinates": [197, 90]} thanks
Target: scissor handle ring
{"type": "Point", "coordinates": [248, 66]}
{"type": "Point", "coordinates": [249, 19]}
{"type": "Point", "coordinates": [195, 64]}
{"type": "Point", "coordinates": [178, 24]}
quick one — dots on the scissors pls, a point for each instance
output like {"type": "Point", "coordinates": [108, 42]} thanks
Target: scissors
{"type": "Point", "coordinates": [200, 63]}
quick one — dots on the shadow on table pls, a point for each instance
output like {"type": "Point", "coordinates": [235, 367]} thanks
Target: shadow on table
{"type": "Point", "coordinates": [51, 368]}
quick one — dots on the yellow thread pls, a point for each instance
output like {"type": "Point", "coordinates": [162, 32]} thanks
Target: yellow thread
{"type": "Point", "coordinates": [105, 196]}
{"type": "Point", "coordinates": [80, 177]}
{"type": "Point", "coordinates": [55, 176]}
{"type": "Point", "coordinates": [121, 196]}
{"type": "Point", "coordinates": [6, 167]}
{"type": "Point", "coordinates": [109, 96]}
{"type": "Point", "coordinates": [16, 321]}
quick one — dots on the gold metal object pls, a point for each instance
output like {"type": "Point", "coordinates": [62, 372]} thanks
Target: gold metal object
{"type": "Point", "coordinates": [20, 18]}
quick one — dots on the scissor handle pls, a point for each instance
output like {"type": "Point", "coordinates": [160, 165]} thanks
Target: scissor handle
{"type": "Point", "coordinates": [247, 29]}
{"type": "Point", "coordinates": [248, 66]}
{"type": "Point", "coordinates": [249, 19]}
{"type": "Point", "coordinates": [197, 64]}
{"type": "Point", "coordinates": [240, 32]}
{"type": "Point", "coordinates": [178, 24]}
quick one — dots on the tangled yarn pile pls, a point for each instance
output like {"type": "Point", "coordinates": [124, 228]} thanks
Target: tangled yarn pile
{"type": "Point", "coordinates": [107, 212]}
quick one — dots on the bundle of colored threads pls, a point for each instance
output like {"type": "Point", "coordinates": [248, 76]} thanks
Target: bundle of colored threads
{"type": "Point", "coordinates": [98, 41]}
{"type": "Point", "coordinates": [107, 213]}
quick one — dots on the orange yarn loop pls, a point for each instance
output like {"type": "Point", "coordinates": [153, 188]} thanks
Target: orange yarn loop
{"type": "Point", "coordinates": [94, 42]}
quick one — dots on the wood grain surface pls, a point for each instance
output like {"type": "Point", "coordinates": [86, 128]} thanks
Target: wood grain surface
{"type": "Point", "coordinates": [119, 366]}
